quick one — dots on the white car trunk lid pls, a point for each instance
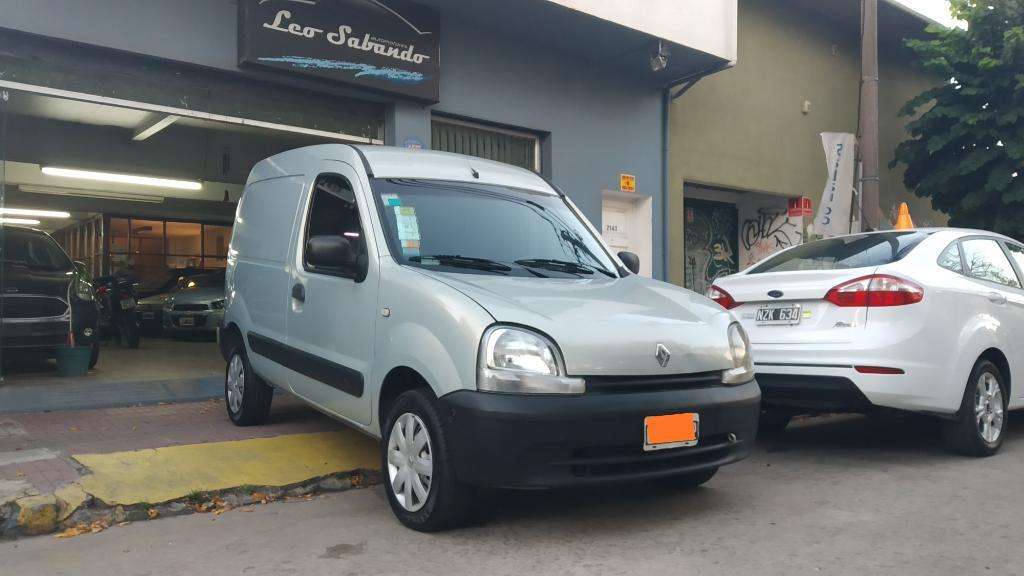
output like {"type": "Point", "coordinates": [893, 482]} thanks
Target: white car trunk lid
{"type": "Point", "coordinates": [817, 320]}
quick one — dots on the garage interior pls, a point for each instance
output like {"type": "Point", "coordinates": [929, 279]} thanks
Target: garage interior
{"type": "Point", "coordinates": [83, 160]}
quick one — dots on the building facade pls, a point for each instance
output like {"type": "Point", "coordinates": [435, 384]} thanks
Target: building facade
{"type": "Point", "coordinates": [197, 91]}
{"type": "Point", "coordinates": [746, 141]}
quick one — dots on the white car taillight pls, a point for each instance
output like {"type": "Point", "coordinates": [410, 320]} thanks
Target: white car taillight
{"type": "Point", "coordinates": [875, 291]}
{"type": "Point", "coordinates": [724, 299]}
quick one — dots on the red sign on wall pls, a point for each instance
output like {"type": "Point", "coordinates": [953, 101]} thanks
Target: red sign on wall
{"type": "Point", "coordinates": [800, 207]}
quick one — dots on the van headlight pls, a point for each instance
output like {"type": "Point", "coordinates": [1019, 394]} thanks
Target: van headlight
{"type": "Point", "coordinates": [739, 352]}
{"type": "Point", "coordinates": [519, 361]}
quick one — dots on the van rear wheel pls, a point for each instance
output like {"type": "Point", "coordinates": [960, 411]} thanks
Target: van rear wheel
{"type": "Point", "coordinates": [417, 471]}
{"type": "Point", "coordinates": [246, 396]}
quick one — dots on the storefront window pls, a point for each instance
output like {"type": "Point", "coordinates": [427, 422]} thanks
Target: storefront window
{"type": "Point", "coordinates": [215, 245]}
{"type": "Point", "coordinates": [511, 147]}
{"type": "Point", "coordinates": [184, 245]}
{"type": "Point", "coordinates": [154, 250]}
{"type": "Point", "coordinates": [118, 235]}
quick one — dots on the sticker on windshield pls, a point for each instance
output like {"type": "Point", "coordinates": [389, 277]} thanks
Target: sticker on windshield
{"type": "Point", "coordinates": [408, 230]}
{"type": "Point", "coordinates": [391, 199]}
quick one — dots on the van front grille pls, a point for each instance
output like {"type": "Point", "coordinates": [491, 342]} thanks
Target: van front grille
{"type": "Point", "coordinates": [627, 384]}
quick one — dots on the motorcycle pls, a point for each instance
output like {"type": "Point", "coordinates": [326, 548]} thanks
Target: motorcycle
{"type": "Point", "coordinates": [118, 298]}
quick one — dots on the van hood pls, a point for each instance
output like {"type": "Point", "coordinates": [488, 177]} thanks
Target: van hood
{"type": "Point", "coordinates": [606, 326]}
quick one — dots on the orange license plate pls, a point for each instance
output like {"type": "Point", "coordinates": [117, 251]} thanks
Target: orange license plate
{"type": "Point", "coordinates": [671, 431]}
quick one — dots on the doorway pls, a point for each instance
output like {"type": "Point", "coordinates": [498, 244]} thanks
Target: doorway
{"type": "Point", "coordinates": [710, 230]}
{"type": "Point", "coordinates": [626, 226]}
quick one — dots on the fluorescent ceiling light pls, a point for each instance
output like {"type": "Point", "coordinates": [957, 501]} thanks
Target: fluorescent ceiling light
{"type": "Point", "coordinates": [24, 221]}
{"type": "Point", "coordinates": [36, 213]}
{"type": "Point", "coordinates": [85, 193]}
{"type": "Point", "coordinates": [122, 178]}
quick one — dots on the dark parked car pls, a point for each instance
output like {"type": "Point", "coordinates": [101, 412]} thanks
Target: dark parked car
{"type": "Point", "coordinates": [46, 299]}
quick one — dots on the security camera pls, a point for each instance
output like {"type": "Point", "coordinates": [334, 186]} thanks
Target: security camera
{"type": "Point", "coordinates": [659, 58]}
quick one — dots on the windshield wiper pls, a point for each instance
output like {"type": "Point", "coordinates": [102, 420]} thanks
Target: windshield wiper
{"type": "Point", "coordinates": [458, 261]}
{"type": "Point", "coordinates": [563, 266]}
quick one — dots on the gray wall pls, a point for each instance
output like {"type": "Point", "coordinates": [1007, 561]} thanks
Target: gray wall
{"type": "Point", "coordinates": [599, 123]}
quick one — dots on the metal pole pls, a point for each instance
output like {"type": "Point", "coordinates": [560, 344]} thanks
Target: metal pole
{"type": "Point", "coordinates": [868, 128]}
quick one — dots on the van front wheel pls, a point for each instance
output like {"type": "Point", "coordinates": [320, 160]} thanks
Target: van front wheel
{"type": "Point", "coordinates": [417, 471]}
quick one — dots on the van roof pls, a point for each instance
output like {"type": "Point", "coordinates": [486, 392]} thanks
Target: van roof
{"type": "Point", "coordinates": [394, 162]}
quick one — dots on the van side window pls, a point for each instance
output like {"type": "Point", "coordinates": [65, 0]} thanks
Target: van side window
{"type": "Point", "coordinates": [950, 259]}
{"type": "Point", "coordinates": [333, 212]}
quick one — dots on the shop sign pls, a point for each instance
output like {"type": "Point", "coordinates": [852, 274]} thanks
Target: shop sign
{"type": "Point", "coordinates": [800, 207]}
{"type": "Point", "coordinates": [387, 45]}
{"type": "Point", "coordinates": [627, 182]}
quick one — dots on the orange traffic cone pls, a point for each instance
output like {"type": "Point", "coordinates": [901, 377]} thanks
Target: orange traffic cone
{"type": "Point", "coordinates": [903, 221]}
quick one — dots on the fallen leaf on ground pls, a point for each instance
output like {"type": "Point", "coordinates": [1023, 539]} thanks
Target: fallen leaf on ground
{"type": "Point", "coordinates": [79, 529]}
{"type": "Point", "coordinates": [152, 513]}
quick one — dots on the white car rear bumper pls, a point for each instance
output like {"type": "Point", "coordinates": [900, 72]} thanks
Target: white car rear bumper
{"type": "Point", "coordinates": [824, 377]}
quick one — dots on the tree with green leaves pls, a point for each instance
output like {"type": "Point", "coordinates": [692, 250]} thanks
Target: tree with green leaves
{"type": "Point", "coordinates": [966, 145]}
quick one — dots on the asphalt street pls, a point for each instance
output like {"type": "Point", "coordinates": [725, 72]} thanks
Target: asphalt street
{"type": "Point", "coordinates": [841, 495]}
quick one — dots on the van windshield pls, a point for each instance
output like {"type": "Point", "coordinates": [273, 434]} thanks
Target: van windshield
{"type": "Point", "coordinates": [858, 251]}
{"type": "Point", "coordinates": [487, 229]}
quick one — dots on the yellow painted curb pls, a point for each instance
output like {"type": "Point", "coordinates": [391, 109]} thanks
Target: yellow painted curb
{"type": "Point", "coordinates": [37, 514]}
{"type": "Point", "coordinates": [69, 498]}
{"type": "Point", "coordinates": [163, 474]}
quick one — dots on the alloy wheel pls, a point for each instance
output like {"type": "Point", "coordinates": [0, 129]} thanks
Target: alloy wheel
{"type": "Point", "coordinates": [988, 407]}
{"type": "Point", "coordinates": [410, 461]}
{"type": "Point", "coordinates": [235, 383]}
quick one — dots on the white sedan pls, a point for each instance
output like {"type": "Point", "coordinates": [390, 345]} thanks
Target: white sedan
{"type": "Point", "coordinates": [927, 320]}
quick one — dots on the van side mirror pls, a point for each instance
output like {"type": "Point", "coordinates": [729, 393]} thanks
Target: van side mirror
{"type": "Point", "coordinates": [336, 254]}
{"type": "Point", "coordinates": [330, 252]}
{"type": "Point", "coordinates": [631, 261]}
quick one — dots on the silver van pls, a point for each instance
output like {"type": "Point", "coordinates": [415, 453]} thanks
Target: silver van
{"type": "Point", "coordinates": [467, 314]}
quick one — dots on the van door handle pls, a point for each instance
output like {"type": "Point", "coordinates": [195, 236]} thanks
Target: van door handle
{"type": "Point", "coordinates": [996, 298]}
{"type": "Point", "coordinates": [299, 292]}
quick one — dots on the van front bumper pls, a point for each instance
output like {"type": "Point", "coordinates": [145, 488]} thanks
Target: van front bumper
{"type": "Point", "coordinates": [547, 441]}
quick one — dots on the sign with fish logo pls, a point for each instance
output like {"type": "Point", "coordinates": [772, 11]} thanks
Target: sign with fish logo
{"type": "Point", "coordinates": [384, 45]}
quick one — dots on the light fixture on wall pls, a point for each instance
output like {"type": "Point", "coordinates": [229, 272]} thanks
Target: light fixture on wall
{"type": "Point", "coordinates": [118, 178]}
{"type": "Point", "coordinates": [25, 221]}
{"type": "Point", "coordinates": [34, 213]}
{"type": "Point", "coordinates": [86, 193]}
{"type": "Point", "coordinates": [659, 58]}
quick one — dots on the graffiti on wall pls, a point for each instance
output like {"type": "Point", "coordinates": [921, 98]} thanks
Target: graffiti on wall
{"type": "Point", "coordinates": [709, 239]}
{"type": "Point", "coordinates": [767, 232]}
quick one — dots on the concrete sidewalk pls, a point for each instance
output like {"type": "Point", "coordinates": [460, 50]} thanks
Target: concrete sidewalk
{"type": "Point", "coordinates": [160, 370]}
{"type": "Point", "coordinates": [54, 464]}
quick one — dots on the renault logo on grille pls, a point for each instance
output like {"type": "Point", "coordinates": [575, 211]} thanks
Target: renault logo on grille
{"type": "Point", "coordinates": [663, 355]}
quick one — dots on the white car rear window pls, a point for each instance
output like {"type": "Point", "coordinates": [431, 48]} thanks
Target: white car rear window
{"type": "Point", "coordinates": [859, 251]}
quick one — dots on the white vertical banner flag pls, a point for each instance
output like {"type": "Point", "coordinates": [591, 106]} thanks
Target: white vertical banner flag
{"type": "Point", "coordinates": [833, 217]}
